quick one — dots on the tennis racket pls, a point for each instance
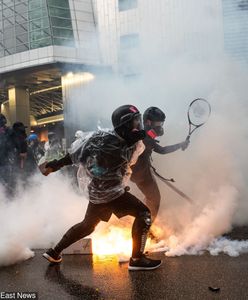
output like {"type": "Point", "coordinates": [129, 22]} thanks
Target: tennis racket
{"type": "Point", "coordinates": [198, 113]}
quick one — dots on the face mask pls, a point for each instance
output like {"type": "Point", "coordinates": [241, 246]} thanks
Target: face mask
{"type": "Point", "coordinates": [134, 136]}
{"type": "Point", "coordinates": [158, 130]}
{"type": "Point", "coordinates": [131, 136]}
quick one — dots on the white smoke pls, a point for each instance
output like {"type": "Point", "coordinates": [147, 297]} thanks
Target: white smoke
{"type": "Point", "coordinates": [214, 219]}
{"type": "Point", "coordinates": [227, 246]}
{"type": "Point", "coordinates": [37, 217]}
{"type": "Point", "coordinates": [212, 171]}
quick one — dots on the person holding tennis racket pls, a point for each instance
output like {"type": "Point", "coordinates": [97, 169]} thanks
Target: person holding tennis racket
{"type": "Point", "coordinates": [142, 173]}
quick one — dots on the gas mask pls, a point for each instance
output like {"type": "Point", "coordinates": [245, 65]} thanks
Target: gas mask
{"type": "Point", "coordinates": [132, 131]}
{"type": "Point", "coordinates": [159, 130]}
{"type": "Point", "coordinates": [132, 137]}
{"type": "Point", "coordinates": [154, 129]}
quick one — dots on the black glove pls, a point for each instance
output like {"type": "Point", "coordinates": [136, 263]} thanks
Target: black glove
{"type": "Point", "coordinates": [185, 144]}
{"type": "Point", "coordinates": [53, 165]}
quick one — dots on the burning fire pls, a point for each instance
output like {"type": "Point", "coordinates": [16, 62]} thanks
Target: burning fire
{"type": "Point", "coordinates": [116, 240]}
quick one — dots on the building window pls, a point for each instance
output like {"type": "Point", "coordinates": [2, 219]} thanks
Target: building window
{"type": "Point", "coordinates": [39, 26]}
{"type": "Point", "coordinates": [58, 3]}
{"type": "Point", "coordinates": [129, 41]}
{"type": "Point", "coordinates": [243, 5]}
{"type": "Point", "coordinates": [30, 24]}
{"type": "Point", "coordinates": [128, 54]}
{"type": "Point", "coordinates": [61, 22]}
{"type": "Point", "coordinates": [60, 17]}
{"type": "Point", "coordinates": [127, 4]}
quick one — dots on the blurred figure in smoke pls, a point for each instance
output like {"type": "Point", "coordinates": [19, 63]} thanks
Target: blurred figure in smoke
{"type": "Point", "coordinates": [35, 146]}
{"type": "Point", "coordinates": [106, 157]}
{"type": "Point", "coordinates": [74, 169]}
{"type": "Point", "coordinates": [142, 176]}
{"type": "Point", "coordinates": [19, 137]}
{"type": "Point", "coordinates": [13, 151]}
{"type": "Point", "coordinates": [79, 136]}
{"type": "Point", "coordinates": [34, 154]}
{"type": "Point", "coordinates": [7, 152]}
{"type": "Point", "coordinates": [53, 148]}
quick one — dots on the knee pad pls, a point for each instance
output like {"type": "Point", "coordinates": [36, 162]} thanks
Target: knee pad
{"type": "Point", "coordinates": [145, 219]}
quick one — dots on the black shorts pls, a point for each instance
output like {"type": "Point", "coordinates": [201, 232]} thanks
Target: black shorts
{"type": "Point", "coordinates": [126, 204]}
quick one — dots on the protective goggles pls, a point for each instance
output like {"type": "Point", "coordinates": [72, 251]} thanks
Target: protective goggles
{"type": "Point", "coordinates": [130, 117]}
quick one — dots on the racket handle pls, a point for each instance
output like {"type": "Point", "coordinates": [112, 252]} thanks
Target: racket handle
{"type": "Point", "coordinates": [186, 143]}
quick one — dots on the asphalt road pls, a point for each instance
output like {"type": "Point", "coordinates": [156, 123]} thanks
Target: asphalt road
{"type": "Point", "coordinates": [88, 277]}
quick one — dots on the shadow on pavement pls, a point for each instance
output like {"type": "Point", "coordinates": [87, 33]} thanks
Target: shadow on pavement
{"type": "Point", "coordinates": [71, 287]}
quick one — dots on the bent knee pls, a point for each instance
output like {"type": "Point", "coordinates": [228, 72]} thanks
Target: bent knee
{"type": "Point", "coordinates": [145, 218]}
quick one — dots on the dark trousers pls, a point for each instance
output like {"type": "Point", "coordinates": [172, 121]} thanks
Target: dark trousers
{"type": "Point", "coordinates": [126, 204]}
{"type": "Point", "coordinates": [146, 182]}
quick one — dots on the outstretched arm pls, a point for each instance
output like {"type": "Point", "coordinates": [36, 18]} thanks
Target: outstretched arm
{"type": "Point", "coordinates": [168, 149]}
{"type": "Point", "coordinates": [55, 165]}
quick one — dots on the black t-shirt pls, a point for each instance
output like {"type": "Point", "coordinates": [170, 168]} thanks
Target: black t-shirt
{"type": "Point", "coordinates": [143, 164]}
{"type": "Point", "coordinates": [142, 167]}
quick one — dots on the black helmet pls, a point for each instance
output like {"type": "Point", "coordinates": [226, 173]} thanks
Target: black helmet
{"type": "Point", "coordinates": [154, 114]}
{"type": "Point", "coordinates": [19, 126]}
{"type": "Point", "coordinates": [51, 135]}
{"type": "Point", "coordinates": [3, 120]}
{"type": "Point", "coordinates": [123, 115]}
{"type": "Point", "coordinates": [122, 119]}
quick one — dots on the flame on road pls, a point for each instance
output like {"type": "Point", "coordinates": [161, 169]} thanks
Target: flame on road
{"type": "Point", "coordinates": [116, 240]}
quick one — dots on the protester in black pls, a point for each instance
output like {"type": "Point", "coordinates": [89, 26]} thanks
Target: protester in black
{"type": "Point", "coordinates": [106, 157]}
{"type": "Point", "coordinates": [142, 176]}
{"type": "Point", "coordinates": [34, 153]}
{"type": "Point", "coordinates": [19, 137]}
{"type": "Point", "coordinates": [7, 149]}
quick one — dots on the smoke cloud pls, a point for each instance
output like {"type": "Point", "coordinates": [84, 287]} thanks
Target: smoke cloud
{"type": "Point", "coordinates": [37, 217]}
{"type": "Point", "coordinates": [212, 171]}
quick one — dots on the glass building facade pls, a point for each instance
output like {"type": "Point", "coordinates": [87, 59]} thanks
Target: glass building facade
{"type": "Point", "coordinates": [30, 24]}
{"type": "Point", "coordinates": [235, 16]}
{"type": "Point", "coordinates": [127, 4]}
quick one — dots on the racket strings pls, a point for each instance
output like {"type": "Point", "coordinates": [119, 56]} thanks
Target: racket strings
{"type": "Point", "coordinates": [199, 112]}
